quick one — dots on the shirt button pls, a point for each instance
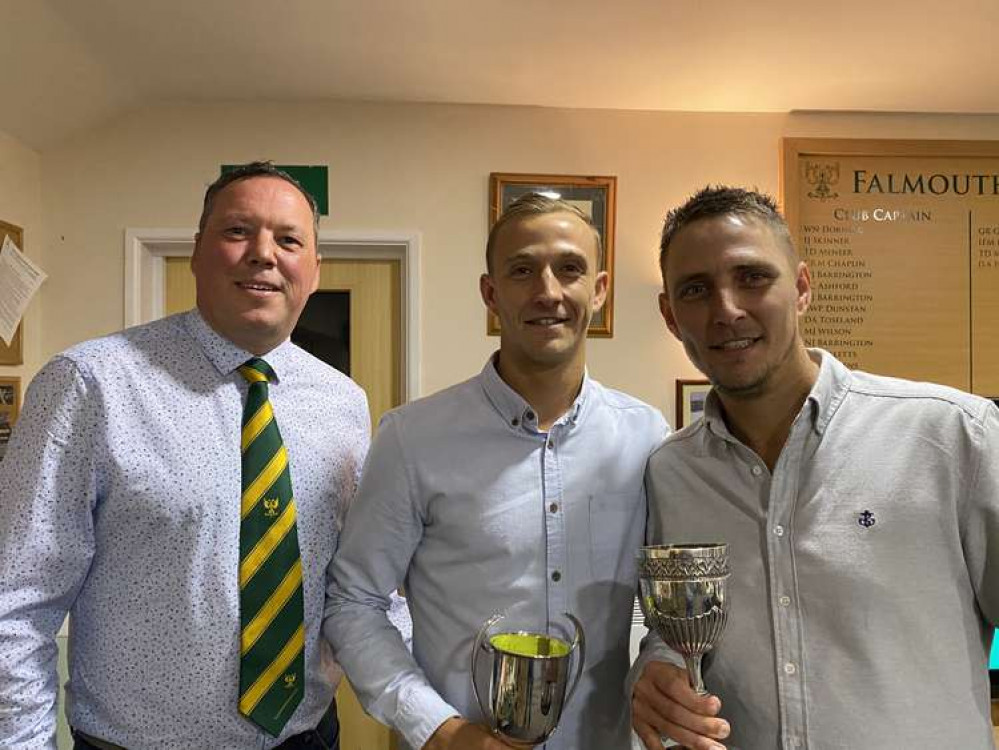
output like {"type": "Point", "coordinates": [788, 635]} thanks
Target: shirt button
{"type": "Point", "coordinates": [756, 471]}
{"type": "Point", "coordinates": [785, 601]}
{"type": "Point", "coordinates": [789, 668]}
{"type": "Point", "coordinates": [796, 741]}
{"type": "Point", "coordinates": [551, 445]}
{"type": "Point", "coordinates": [556, 576]}
{"type": "Point", "coordinates": [779, 530]}
{"type": "Point", "coordinates": [515, 421]}
{"type": "Point", "coordinates": [553, 507]}
{"type": "Point", "coordinates": [529, 415]}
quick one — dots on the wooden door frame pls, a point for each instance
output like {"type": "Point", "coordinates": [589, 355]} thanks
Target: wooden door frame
{"type": "Point", "coordinates": [146, 251]}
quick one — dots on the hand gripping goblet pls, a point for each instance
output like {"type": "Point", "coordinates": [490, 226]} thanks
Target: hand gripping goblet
{"type": "Point", "coordinates": [684, 599]}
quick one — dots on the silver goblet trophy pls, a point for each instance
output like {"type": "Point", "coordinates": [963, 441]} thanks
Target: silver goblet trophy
{"type": "Point", "coordinates": [528, 680]}
{"type": "Point", "coordinates": [683, 596]}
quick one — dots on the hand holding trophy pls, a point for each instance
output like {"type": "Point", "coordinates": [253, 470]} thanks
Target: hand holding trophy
{"type": "Point", "coordinates": [683, 595]}
{"type": "Point", "coordinates": [527, 680]}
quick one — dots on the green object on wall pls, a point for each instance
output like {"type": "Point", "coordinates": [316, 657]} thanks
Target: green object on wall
{"type": "Point", "coordinates": [315, 180]}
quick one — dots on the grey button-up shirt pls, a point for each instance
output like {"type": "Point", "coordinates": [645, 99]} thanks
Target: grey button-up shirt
{"type": "Point", "coordinates": [865, 568]}
{"type": "Point", "coordinates": [465, 500]}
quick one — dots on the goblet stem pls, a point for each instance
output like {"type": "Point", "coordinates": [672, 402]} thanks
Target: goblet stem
{"type": "Point", "coordinates": [694, 674]}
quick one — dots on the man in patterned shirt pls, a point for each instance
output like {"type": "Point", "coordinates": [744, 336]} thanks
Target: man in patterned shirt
{"type": "Point", "coordinates": [121, 501]}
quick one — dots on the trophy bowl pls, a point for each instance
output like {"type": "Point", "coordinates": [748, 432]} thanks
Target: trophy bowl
{"type": "Point", "coordinates": [528, 680]}
{"type": "Point", "coordinates": [684, 598]}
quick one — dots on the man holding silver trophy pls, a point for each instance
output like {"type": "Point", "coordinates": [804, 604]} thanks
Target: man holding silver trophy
{"type": "Point", "coordinates": [860, 513]}
{"type": "Point", "coordinates": [510, 506]}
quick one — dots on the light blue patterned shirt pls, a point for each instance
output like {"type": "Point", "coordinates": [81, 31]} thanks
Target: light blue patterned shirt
{"type": "Point", "coordinates": [119, 503]}
{"type": "Point", "coordinates": [465, 501]}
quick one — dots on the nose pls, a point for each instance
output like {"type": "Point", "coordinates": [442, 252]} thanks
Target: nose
{"type": "Point", "coordinates": [261, 248]}
{"type": "Point", "coordinates": [726, 307]}
{"type": "Point", "coordinates": [547, 290]}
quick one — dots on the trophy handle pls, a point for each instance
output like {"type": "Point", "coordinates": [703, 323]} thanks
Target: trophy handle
{"type": "Point", "coordinates": [580, 641]}
{"type": "Point", "coordinates": [478, 645]}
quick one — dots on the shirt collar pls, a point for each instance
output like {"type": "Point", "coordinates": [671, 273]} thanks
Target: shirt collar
{"type": "Point", "coordinates": [225, 355]}
{"type": "Point", "coordinates": [515, 410]}
{"type": "Point", "coordinates": [828, 392]}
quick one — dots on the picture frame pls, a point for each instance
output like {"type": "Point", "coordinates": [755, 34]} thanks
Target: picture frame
{"type": "Point", "coordinates": [690, 395]}
{"type": "Point", "coordinates": [13, 354]}
{"type": "Point", "coordinates": [594, 195]}
{"type": "Point", "coordinates": [10, 406]}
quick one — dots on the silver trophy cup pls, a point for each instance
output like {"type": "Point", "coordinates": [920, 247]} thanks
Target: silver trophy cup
{"type": "Point", "coordinates": [528, 679]}
{"type": "Point", "coordinates": [683, 596]}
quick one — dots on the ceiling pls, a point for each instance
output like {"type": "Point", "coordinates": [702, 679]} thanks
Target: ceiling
{"type": "Point", "coordinates": [66, 65]}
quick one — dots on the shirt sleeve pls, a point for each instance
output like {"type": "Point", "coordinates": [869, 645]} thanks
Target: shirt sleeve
{"type": "Point", "coordinates": [980, 518]}
{"type": "Point", "coordinates": [47, 496]}
{"type": "Point", "coordinates": [383, 529]}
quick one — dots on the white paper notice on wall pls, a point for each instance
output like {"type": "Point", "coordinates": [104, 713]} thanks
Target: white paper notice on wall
{"type": "Point", "coordinates": [19, 280]}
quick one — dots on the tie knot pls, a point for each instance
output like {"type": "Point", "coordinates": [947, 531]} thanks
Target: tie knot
{"type": "Point", "coordinates": [256, 370]}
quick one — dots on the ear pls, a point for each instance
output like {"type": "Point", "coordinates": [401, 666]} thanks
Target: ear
{"type": "Point", "coordinates": [667, 312]}
{"type": "Point", "coordinates": [803, 283]}
{"type": "Point", "coordinates": [318, 272]}
{"type": "Point", "coordinates": [195, 253]}
{"type": "Point", "coordinates": [488, 291]}
{"type": "Point", "coordinates": [600, 286]}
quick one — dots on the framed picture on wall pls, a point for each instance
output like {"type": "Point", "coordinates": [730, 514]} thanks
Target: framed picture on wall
{"type": "Point", "coordinates": [12, 355]}
{"type": "Point", "coordinates": [690, 395]}
{"type": "Point", "coordinates": [10, 404]}
{"type": "Point", "coordinates": [594, 196]}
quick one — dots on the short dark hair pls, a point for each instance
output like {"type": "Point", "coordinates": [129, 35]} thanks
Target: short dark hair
{"type": "Point", "coordinates": [722, 200]}
{"type": "Point", "coordinates": [536, 204]}
{"type": "Point", "coordinates": [245, 172]}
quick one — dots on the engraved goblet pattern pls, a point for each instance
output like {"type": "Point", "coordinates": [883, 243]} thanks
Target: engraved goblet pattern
{"type": "Point", "coordinates": [684, 598]}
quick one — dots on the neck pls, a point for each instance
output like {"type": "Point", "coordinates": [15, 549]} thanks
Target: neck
{"type": "Point", "coordinates": [763, 421]}
{"type": "Point", "coordinates": [550, 390]}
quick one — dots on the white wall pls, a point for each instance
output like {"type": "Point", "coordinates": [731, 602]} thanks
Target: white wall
{"type": "Point", "coordinates": [21, 204]}
{"type": "Point", "coordinates": [422, 167]}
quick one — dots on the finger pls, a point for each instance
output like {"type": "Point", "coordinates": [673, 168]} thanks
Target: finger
{"type": "Point", "coordinates": [673, 682]}
{"type": "Point", "coordinates": [652, 737]}
{"type": "Point", "coordinates": [655, 707]}
{"type": "Point", "coordinates": [667, 716]}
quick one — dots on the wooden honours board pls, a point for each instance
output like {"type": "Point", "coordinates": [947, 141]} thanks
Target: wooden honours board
{"type": "Point", "coordinates": [902, 240]}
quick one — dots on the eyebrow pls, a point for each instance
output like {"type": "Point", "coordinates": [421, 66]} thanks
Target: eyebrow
{"type": "Point", "coordinates": [521, 255]}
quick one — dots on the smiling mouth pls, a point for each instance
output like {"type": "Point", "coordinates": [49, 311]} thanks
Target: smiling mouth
{"type": "Point", "coordinates": [734, 345]}
{"type": "Point", "coordinates": [256, 286]}
{"type": "Point", "coordinates": [547, 322]}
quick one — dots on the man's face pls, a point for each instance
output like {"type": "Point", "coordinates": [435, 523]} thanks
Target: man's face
{"type": "Point", "coordinates": [255, 264]}
{"type": "Point", "coordinates": [733, 297]}
{"type": "Point", "coordinates": [544, 287]}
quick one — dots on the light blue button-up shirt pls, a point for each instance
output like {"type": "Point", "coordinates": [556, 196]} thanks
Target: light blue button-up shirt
{"type": "Point", "coordinates": [119, 503]}
{"type": "Point", "coordinates": [465, 502]}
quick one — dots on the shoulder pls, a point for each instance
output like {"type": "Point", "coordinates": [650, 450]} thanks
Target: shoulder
{"type": "Point", "coordinates": [627, 408]}
{"type": "Point", "coordinates": [454, 405]}
{"type": "Point", "coordinates": [112, 351]}
{"type": "Point", "coordinates": [926, 398]}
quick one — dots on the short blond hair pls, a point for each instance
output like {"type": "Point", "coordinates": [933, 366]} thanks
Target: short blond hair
{"type": "Point", "coordinates": [536, 204]}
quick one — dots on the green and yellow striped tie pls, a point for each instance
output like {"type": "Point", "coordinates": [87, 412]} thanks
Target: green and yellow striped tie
{"type": "Point", "coordinates": [272, 630]}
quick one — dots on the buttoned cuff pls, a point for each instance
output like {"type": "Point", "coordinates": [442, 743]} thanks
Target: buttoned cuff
{"type": "Point", "coordinates": [421, 712]}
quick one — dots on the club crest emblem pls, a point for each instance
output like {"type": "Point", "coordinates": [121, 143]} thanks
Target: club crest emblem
{"type": "Point", "coordinates": [271, 507]}
{"type": "Point", "coordinates": [289, 681]}
{"type": "Point", "coordinates": [822, 177]}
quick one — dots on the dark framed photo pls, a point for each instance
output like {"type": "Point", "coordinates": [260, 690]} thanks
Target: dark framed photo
{"type": "Point", "coordinates": [594, 196]}
{"type": "Point", "coordinates": [10, 404]}
{"type": "Point", "coordinates": [690, 395]}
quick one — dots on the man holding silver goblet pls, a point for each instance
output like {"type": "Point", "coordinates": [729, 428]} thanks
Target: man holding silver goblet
{"type": "Point", "coordinates": [519, 492]}
{"type": "Point", "coordinates": [860, 513]}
